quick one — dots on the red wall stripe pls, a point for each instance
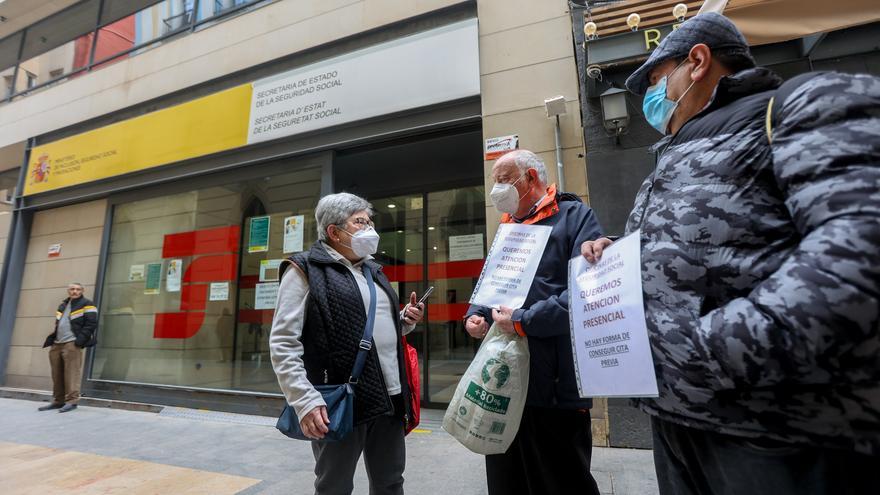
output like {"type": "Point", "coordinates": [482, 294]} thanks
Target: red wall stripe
{"type": "Point", "coordinates": [216, 268]}
{"type": "Point", "coordinates": [177, 325]}
{"type": "Point", "coordinates": [451, 269]}
{"type": "Point", "coordinates": [255, 316]}
{"type": "Point", "coordinates": [206, 241]}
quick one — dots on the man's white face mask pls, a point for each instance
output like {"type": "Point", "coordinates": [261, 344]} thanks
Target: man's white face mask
{"type": "Point", "coordinates": [505, 197]}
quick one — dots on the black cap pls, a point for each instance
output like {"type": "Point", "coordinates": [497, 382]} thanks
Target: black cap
{"type": "Point", "coordinates": [713, 30]}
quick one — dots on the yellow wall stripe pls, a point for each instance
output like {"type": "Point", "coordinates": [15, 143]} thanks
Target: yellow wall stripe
{"type": "Point", "coordinates": [210, 124]}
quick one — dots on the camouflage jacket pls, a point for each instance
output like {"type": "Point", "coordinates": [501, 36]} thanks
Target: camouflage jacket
{"type": "Point", "coordinates": [761, 263]}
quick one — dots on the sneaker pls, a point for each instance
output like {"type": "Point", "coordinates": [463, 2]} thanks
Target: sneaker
{"type": "Point", "coordinates": [53, 405]}
{"type": "Point", "coordinates": [67, 407]}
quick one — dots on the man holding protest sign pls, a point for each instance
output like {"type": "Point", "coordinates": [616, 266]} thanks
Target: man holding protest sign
{"type": "Point", "coordinates": [552, 449]}
{"type": "Point", "coordinates": [760, 242]}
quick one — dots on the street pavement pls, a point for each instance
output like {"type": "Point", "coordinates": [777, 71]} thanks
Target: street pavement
{"type": "Point", "coordinates": [95, 450]}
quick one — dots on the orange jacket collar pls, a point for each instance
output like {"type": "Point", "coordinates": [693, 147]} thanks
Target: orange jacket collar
{"type": "Point", "coordinates": [546, 208]}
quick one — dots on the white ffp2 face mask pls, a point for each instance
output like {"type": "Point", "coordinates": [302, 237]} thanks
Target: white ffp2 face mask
{"type": "Point", "coordinates": [364, 242]}
{"type": "Point", "coordinates": [505, 197]}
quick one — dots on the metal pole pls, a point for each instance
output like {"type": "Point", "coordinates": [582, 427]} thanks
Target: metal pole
{"type": "Point", "coordinates": [560, 173]}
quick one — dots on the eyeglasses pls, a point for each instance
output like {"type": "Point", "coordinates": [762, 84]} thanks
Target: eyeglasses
{"type": "Point", "coordinates": [363, 222]}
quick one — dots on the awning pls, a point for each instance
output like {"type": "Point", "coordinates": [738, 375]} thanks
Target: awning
{"type": "Point", "coordinates": [761, 21]}
{"type": "Point", "coordinates": [772, 21]}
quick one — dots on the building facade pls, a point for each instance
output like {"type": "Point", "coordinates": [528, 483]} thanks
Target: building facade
{"type": "Point", "coordinates": [168, 154]}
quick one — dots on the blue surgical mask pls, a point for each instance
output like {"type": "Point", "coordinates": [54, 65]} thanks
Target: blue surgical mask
{"type": "Point", "coordinates": [657, 107]}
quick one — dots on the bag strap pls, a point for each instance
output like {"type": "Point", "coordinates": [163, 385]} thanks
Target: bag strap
{"type": "Point", "coordinates": [367, 341]}
{"type": "Point", "coordinates": [779, 96]}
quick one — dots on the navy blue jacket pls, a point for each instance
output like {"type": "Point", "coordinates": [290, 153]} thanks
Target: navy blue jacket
{"type": "Point", "coordinates": [543, 317]}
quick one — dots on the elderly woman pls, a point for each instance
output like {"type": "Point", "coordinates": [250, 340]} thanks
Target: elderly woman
{"type": "Point", "coordinates": [322, 308]}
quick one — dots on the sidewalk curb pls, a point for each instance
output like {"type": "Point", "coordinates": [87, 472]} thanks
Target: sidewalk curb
{"type": "Point", "coordinates": [45, 396]}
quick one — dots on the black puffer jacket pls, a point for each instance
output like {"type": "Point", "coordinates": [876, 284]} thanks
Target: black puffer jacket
{"type": "Point", "coordinates": [83, 322]}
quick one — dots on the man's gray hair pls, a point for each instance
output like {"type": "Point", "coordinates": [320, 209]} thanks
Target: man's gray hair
{"type": "Point", "coordinates": [81, 286]}
{"type": "Point", "coordinates": [525, 159]}
{"type": "Point", "coordinates": [334, 209]}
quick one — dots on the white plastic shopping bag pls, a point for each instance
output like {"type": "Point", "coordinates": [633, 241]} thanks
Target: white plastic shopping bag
{"type": "Point", "coordinates": [486, 410]}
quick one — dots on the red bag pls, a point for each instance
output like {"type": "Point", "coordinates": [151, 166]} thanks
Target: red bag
{"type": "Point", "coordinates": [411, 361]}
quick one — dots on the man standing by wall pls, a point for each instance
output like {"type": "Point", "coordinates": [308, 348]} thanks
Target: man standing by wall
{"type": "Point", "coordinates": [760, 247]}
{"type": "Point", "coordinates": [552, 449]}
{"type": "Point", "coordinates": [75, 324]}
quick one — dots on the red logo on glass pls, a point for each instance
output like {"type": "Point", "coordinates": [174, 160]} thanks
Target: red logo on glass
{"type": "Point", "coordinates": [217, 251]}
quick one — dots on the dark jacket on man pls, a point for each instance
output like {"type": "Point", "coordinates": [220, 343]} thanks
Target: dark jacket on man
{"type": "Point", "coordinates": [543, 316]}
{"type": "Point", "coordinates": [83, 322]}
{"type": "Point", "coordinates": [760, 232]}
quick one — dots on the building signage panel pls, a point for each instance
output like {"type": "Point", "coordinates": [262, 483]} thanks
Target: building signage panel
{"type": "Point", "coordinates": [207, 125]}
{"type": "Point", "coordinates": [415, 71]}
{"type": "Point", "coordinates": [497, 146]}
{"type": "Point", "coordinates": [626, 46]}
{"type": "Point", "coordinates": [427, 68]}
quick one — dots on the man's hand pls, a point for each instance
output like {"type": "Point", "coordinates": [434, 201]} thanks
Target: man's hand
{"type": "Point", "coordinates": [592, 250]}
{"type": "Point", "coordinates": [476, 326]}
{"type": "Point", "coordinates": [413, 311]}
{"type": "Point", "coordinates": [314, 424]}
{"type": "Point", "coordinates": [503, 319]}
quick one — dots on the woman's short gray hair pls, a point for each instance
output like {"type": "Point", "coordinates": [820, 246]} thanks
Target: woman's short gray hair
{"type": "Point", "coordinates": [525, 159]}
{"type": "Point", "coordinates": [334, 209]}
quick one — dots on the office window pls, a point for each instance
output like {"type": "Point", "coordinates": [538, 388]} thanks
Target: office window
{"type": "Point", "coordinates": [142, 27]}
{"type": "Point", "coordinates": [188, 285]}
{"type": "Point", "coordinates": [211, 8]}
{"type": "Point", "coordinates": [45, 67]}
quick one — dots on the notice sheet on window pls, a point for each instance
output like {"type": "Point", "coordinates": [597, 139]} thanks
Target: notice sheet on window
{"type": "Point", "coordinates": [219, 291]}
{"type": "Point", "coordinates": [293, 234]}
{"type": "Point", "coordinates": [511, 265]}
{"type": "Point", "coordinates": [265, 295]}
{"type": "Point", "coordinates": [258, 239]}
{"type": "Point", "coordinates": [172, 275]}
{"type": "Point", "coordinates": [608, 332]}
{"type": "Point", "coordinates": [269, 270]}
{"type": "Point", "coordinates": [466, 247]}
{"type": "Point", "coordinates": [153, 278]}
{"type": "Point", "coordinates": [136, 273]}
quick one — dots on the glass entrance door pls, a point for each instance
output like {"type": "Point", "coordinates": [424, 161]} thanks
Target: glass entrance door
{"type": "Point", "coordinates": [436, 239]}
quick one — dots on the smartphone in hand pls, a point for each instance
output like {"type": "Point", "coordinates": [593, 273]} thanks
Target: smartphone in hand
{"type": "Point", "coordinates": [425, 296]}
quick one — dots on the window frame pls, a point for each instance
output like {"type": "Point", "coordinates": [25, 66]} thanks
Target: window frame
{"type": "Point", "coordinates": [192, 24]}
